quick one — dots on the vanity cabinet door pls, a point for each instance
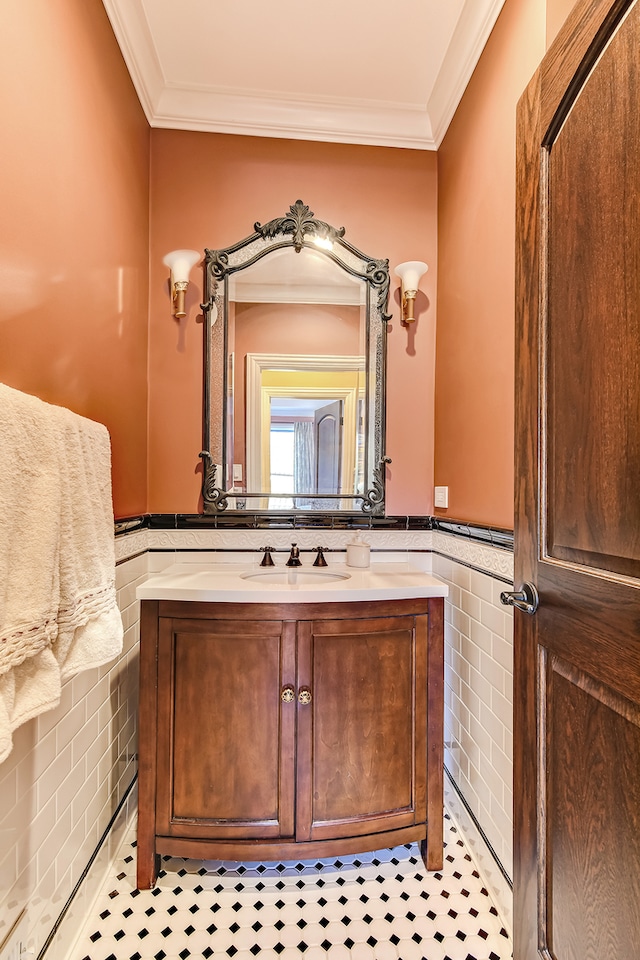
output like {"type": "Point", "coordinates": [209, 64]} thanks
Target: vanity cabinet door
{"type": "Point", "coordinates": [226, 750]}
{"type": "Point", "coordinates": [362, 738]}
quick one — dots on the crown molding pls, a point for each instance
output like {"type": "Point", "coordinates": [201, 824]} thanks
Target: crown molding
{"type": "Point", "coordinates": [170, 105]}
{"type": "Point", "coordinates": [469, 40]}
{"type": "Point", "coordinates": [132, 33]}
{"type": "Point", "coordinates": [189, 108]}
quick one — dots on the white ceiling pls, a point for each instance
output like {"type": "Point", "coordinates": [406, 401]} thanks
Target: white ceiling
{"type": "Point", "coordinates": [289, 277]}
{"type": "Point", "coordinates": [384, 72]}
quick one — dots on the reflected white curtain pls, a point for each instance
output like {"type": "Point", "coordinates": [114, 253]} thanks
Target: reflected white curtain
{"type": "Point", "coordinates": [304, 459]}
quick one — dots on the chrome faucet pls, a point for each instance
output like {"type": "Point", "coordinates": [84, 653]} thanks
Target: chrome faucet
{"type": "Point", "coordinates": [267, 560]}
{"type": "Point", "coordinates": [294, 557]}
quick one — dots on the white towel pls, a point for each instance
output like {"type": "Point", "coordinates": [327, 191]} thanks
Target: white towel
{"type": "Point", "coordinates": [58, 610]}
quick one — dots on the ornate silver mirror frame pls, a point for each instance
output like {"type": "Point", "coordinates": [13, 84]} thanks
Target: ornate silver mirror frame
{"type": "Point", "coordinates": [297, 230]}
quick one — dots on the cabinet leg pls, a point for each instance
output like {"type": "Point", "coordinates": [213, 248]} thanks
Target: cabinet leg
{"type": "Point", "coordinates": [431, 850]}
{"type": "Point", "coordinates": [148, 866]}
{"type": "Point", "coordinates": [431, 846]}
{"type": "Point", "coordinates": [148, 861]}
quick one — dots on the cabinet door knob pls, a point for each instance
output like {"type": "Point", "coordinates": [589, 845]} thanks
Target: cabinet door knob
{"type": "Point", "coordinates": [288, 694]}
{"type": "Point", "coordinates": [305, 695]}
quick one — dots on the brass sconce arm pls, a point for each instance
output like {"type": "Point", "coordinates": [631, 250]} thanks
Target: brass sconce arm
{"type": "Point", "coordinates": [408, 301]}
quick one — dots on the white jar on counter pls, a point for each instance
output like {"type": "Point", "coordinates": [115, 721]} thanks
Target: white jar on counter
{"type": "Point", "coordinates": [358, 552]}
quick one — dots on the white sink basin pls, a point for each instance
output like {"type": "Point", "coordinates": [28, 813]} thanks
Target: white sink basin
{"type": "Point", "coordinates": [294, 576]}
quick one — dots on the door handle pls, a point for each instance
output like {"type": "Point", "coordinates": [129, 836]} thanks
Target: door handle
{"type": "Point", "coordinates": [526, 599]}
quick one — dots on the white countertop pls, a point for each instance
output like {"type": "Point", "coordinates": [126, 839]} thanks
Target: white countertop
{"type": "Point", "coordinates": [224, 582]}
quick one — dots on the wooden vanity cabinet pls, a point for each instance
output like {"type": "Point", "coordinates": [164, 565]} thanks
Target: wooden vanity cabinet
{"type": "Point", "coordinates": [282, 731]}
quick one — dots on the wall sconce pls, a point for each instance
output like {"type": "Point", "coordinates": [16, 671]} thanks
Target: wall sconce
{"type": "Point", "coordinates": [410, 274]}
{"type": "Point", "coordinates": [180, 263]}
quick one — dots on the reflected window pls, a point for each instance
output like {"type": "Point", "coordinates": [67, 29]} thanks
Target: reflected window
{"type": "Point", "coordinates": [281, 442]}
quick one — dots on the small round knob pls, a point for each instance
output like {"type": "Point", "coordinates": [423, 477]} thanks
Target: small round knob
{"type": "Point", "coordinates": [288, 694]}
{"type": "Point", "coordinates": [304, 696]}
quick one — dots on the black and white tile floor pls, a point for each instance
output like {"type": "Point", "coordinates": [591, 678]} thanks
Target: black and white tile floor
{"type": "Point", "coordinates": [375, 906]}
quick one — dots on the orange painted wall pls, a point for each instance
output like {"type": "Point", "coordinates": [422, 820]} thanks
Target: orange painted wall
{"type": "Point", "coordinates": [207, 190]}
{"type": "Point", "coordinates": [74, 177]}
{"type": "Point", "coordinates": [557, 13]}
{"type": "Point", "coordinates": [315, 329]}
{"type": "Point", "coordinates": [75, 167]}
{"type": "Point", "coordinates": [476, 215]}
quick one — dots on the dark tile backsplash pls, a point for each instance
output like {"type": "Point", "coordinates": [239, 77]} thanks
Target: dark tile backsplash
{"type": "Point", "coordinates": [496, 537]}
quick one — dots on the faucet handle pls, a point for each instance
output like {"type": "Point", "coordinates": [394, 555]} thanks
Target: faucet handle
{"type": "Point", "coordinates": [320, 560]}
{"type": "Point", "coordinates": [267, 560]}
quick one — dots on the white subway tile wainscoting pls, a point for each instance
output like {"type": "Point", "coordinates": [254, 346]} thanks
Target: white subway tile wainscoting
{"type": "Point", "coordinates": [478, 728]}
{"type": "Point", "coordinates": [60, 786]}
{"type": "Point", "coordinates": [71, 769]}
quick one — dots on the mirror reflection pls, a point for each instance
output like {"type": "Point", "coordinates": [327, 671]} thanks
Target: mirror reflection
{"type": "Point", "coordinates": [294, 405]}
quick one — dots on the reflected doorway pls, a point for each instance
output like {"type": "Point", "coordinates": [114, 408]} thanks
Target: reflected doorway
{"type": "Point", "coordinates": [322, 399]}
{"type": "Point", "coordinates": [305, 447]}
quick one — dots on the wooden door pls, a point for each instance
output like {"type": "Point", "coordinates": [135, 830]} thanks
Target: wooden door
{"type": "Point", "coordinates": [226, 737]}
{"type": "Point", "coordinates": [577, 660]}
{"type": "Point", "coordinates": [362, 738]}
{"type": "Point", "coordinates": [328, 438]}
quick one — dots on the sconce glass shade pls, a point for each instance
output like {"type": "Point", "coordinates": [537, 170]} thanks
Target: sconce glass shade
{"type": "Point", "coordinates": [410, 273]}
{"type": "Point", "coordinates": [180, 263]}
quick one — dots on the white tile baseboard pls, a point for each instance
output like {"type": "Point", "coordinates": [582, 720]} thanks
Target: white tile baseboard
{"type": "Point", "coordinates": [493, 877]}
{"type": "Point", "coordinates": [69, 770]}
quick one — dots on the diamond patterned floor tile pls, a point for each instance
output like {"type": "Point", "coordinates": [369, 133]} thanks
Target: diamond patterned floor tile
{"type": "Point", "coordinates": [382, 905]}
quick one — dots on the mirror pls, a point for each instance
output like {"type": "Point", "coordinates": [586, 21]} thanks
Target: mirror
{"type": "Point", "coordinates": [294, 392]}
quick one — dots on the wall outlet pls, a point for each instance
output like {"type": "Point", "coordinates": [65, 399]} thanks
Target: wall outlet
{"type": "Point", "coordinates": [20, 952]}
{"type": "Point", "coordinates": [441, 497]}
{"type": "Point", "coordinates": [14, 946]}
{"type": "Point", "coordinates": [11, 951]}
